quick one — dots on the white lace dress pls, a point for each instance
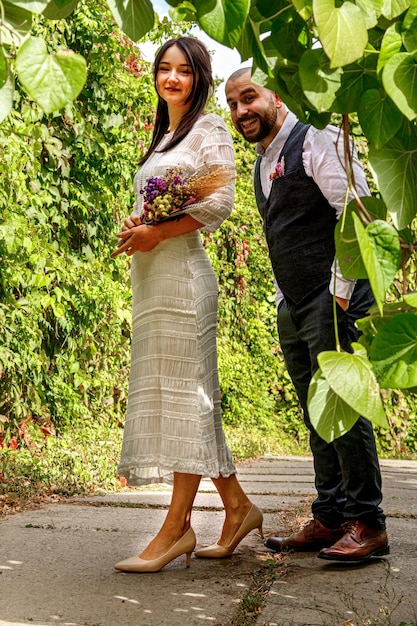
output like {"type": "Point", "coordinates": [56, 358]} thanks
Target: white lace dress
{"type": "Point", "coordinates": [173, 421]}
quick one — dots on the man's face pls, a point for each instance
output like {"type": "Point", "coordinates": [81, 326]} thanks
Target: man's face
{"type": "Point", "coordinates": [254, 109]}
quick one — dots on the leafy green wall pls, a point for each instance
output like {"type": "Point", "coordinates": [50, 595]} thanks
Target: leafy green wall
{"type": "Point", "coordinates": [65, 185]}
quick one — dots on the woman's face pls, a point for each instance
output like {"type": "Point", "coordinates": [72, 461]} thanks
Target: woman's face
{"type": "Point", "coordinates": [174, 78]}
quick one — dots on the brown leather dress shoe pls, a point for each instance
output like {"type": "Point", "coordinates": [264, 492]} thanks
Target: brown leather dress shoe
{"type": "Point", "coordinates": [357, 544]}
{"type": "Point", "coordinates": [312, 536]}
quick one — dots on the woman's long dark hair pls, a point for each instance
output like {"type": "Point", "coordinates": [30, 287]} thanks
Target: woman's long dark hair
{"type": "Point", "coordinates": [199, 59]}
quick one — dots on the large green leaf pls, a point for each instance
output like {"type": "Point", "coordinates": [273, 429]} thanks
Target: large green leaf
{"type": "Point", "coordinates": [290, 37]}
{"type": "Point", "coordinates": [395, 170]}
{"type": "Point", "coordinates": [394, 352]}
{"type": "Point", "coordinates": [372, 10]}
{"type": "Point", "coordinates": [394, 8]}
{"type": "Point", "coordinates": [56, 12]}
{"type": "Point", "coordinates": [6, 99]}
{"type": "Point", "coordinates": [399, 77]}
{"type": "Point", "coordinates": [351, 377]}
{"type": "Point", "coordinates": [223, 20]}
{"type": "Point", "coordinates": [318, 81]}
{"type": "Point", "coordinates": [347, 246]}
{"type": "Point", "coordinates": [409, 28]}
{"type": "Point", "coordinates": [342, 31]}
{"type": "Point", "coordinates": [381, 255]}
{"type": "Point", "coordinates": [250, 45]}
{"type": "Point", "coordinates": [20, 21]}
{"type": "Point", "coordinates": [34, 6]}
{"type": "Point", "coordinates": [379, 117]}
{"type": "Point", "coordinates": [391, 44]}
{"type": "Point", "coordinates": [3, 69]}
{"type": "Point", "coordinates": [135, 17]}
{"type": "Point", "coordinates": [356, 78]}
{"type": "Point", "coordinates": [411, 299]}
{"type": "Point", "coordinates": [330, 416]}
{"type": "Point", "coordinates": [268, 10]}
{"type": "Point", "coordinates": [52, 80]}
{"type": "Point", "coordinates": [304, 8]}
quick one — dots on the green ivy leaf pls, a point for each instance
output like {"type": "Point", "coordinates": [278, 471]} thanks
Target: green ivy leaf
{"type": "Point", "coordinates": [379, 117]}
{"type": "Point", "coordinates": [409, 29]}
{"type": "Point", "coordinates": [372, 10]}
{"type": "Point", "coordinates": [381, 254]}
{"type": "Point", "coordinates": [61, 4]}
{"type": "Point", "coordinates": [394, 352]}
{"type": "Point", "coordinates": [55, 10]}
{"type": "Point", "coordinates": [411, 299]}
{"type": "Point", "coordinates": [3, 69]}
{"type": "Point", "coordinates": [52, 80]}
{"type": "Point", "coordinates": [223, 20]}
{"type": "Point", "coordinates": [330, 416]}
{"type": "Point", "coordinates": [351, 377]}
{"type": "Point", "coordinates": [390, 46]}
{"type": "Point", "coordinates": [394, 8]}
{"type": "Point", "coordinates": [318, 80]}
{"type": "Point", "coordinates": [395, 170]}
{"type": "Point", "coordinates": [135, 17]}
{"type": "Point", "coordinates": [399, 78]}
{"type": "Point", "coordinates": [356, 78]}
{"type": "Point", "coordinates": [34, 6]}
{"type": "Point", "coordinates": [342, 31]}
{"type": "Point", "coordinates": [19, 19]}
{"type": "Point", "coordinates": [6, 99]}
{"type": "Point", "coordinates": [347, 246]}
{"type": "Point", "coordinates": [304, 8]}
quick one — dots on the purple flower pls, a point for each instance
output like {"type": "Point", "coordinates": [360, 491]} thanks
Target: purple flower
{"type": "Point", "coordinates": [278, 170]}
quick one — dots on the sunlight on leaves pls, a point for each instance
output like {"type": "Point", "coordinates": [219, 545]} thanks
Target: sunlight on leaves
{"type": "Point", "coordinates": [379, 117]}
{"type": "Point", "coordinates": [135, 17]}
{"type": "Point", "coordinates": [393, 8]}
{"type": "Point", "coordinates": [347, 246]}
{"type": "Point", "coordinates": [351, 377]}
{"type": "Point", "coordinates": [395, 171]}
{"type": "Point", "coordinates": [318, 81]}
{"type": "Point", "coordinates": [381, 254]}
{"type": "Point", "coordinates": [394, 352]}
{"type": "Point", "coordinates": [330, 416]}
{"type": "Point", "coordinates": [6, 99]}
{"type": "Point", "coordinates": [342, 31]}
{"type": "Point", "coordinates": [52, 80]}
{"type": "Point", "coordinates": [400, 81]}
{"type": "Point", "coordinates": [223, 20]}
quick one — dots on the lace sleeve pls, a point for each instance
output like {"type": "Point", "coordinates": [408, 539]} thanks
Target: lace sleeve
{"type": "Point", "coordinates": [215, 149]}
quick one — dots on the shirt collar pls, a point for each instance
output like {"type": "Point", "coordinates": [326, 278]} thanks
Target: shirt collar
{"type": "Point", "coordinates": [280, 138]}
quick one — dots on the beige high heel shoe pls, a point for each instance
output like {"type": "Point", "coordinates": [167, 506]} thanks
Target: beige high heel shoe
{"type": "Point", "coordinates": [185, 545]}
{"type": "Point", "coordinates": [253, 519]}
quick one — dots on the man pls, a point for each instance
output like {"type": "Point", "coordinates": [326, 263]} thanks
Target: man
{"type": "Point", "coordinates": [300, 189]}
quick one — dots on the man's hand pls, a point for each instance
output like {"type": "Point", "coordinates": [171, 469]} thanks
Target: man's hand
{"type": "Point", "coordinates": [343, 303]}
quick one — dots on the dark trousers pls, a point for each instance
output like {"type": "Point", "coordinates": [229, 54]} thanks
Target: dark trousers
{"type": "Point", "coordinates": [347, 473]}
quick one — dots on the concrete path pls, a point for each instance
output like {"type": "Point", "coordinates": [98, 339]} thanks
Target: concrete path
{"type": "Point", "coordinates": [56, 562]}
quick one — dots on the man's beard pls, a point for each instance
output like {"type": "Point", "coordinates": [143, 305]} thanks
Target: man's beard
{"type": "Point", "coordinates": [266, 123]}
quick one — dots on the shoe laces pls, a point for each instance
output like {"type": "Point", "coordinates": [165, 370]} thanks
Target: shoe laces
{"type": "Point", "coordinates": [350, 525]}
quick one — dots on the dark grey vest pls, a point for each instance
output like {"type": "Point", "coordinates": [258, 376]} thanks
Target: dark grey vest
{"type": "Point", "coordinates": [298, 222]}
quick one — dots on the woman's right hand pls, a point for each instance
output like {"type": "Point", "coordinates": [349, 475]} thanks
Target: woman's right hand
{"type": "Point", "coordinates": [136, 237]}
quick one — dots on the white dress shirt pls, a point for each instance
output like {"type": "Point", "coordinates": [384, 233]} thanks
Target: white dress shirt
{"type": "Point", "coordinates": [323, 161]}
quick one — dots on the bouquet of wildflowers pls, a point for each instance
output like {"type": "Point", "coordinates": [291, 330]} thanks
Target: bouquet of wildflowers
{"type": "Point", "coordinates": [166, 197]}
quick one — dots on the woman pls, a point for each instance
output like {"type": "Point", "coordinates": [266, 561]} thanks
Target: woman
{"type": "Point", "coordinates": [173, 431]}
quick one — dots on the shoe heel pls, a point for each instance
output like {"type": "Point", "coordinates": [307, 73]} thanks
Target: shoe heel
{"type": "Point", "coordinates": [188, 559]}
{"type": "Point", "coordinates": [261, 532]}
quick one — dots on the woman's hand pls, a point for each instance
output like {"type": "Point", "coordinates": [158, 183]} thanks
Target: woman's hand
{"type": "Point", "coordinates": [136, 237]}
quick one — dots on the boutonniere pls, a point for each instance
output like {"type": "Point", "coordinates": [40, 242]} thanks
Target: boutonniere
{"type": "Point", "coordinates": [279, 169]}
